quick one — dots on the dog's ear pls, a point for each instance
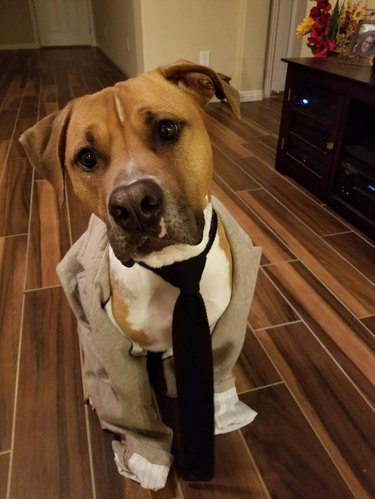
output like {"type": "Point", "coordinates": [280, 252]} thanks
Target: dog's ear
{"type": "Point", "coordinates": [44, 144]}
{"type": "Point", "coordinates": [204, 82]}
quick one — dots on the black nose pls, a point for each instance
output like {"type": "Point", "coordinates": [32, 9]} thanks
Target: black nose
{"type": "Point", "coordinates": [136, 206]}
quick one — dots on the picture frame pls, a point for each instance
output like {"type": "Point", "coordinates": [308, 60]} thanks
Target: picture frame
{"type": "Point", "coordinates": [364, 42]}
{"type": "Point", "coordinates": [362, 49]}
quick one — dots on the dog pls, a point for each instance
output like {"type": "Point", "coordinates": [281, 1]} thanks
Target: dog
{"type": "Point", "coordinates": [139, 158]}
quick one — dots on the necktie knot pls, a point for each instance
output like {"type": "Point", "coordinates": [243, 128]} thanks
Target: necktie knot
{"type": "Point", "coordinates": [186, 275]}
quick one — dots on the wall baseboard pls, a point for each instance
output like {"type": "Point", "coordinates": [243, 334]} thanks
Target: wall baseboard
{"type": "Point", "coordinates": [251, 95]}
{"type": "Point", "coordinates": [246, 96]}
{"type": "Point", "coordinates": [19, 46]}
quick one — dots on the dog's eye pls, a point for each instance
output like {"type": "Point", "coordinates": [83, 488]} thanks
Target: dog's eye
{"type": "Point", "coordinates": [86, 157]}
{"type": "Point", "coordinates": [168, 130]}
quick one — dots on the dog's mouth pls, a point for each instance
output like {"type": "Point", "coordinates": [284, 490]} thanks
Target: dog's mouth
{"type": "Point", "coordinates": [184, 228]}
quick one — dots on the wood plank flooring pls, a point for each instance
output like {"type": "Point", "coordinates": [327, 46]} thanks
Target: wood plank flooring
{"type": "Point", "coordinates": [307, 365]}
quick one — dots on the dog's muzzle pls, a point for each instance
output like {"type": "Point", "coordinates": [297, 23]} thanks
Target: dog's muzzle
{"type": "Point", "coordinates": [137, 206]}
{"type": "Point", "coordinates": [145, 218]}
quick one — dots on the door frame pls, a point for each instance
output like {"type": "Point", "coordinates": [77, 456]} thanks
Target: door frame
{"type": "Point", "coordinates": [271, 41]}
{"type": "Point", "coordinates": [34, 22]}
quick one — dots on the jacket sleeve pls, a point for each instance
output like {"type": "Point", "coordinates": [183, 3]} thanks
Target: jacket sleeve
{"type": "Point", "coordinates": [229, 333]}
{"type": "Point", "coordinates": [70, 269]}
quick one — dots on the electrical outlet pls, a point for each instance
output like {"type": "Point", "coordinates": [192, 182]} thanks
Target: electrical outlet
{"type": "Point", "coordinates": [204, 57]}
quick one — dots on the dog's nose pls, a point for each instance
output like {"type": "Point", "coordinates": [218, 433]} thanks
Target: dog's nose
{"type": "Point", "coordinates": [136, 206]}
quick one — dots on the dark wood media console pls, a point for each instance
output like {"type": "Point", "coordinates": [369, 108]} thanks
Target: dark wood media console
{"type": "Point", "coordinates": [327, 135]}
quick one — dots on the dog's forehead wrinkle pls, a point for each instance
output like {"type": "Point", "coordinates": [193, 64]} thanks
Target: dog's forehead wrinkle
{"type": "Point", "coordinates": [148, 115]}
{"type": "Point", "coordinates": [151, 114]}
{"type": "Point", "coordinates": [119, 108]}
{"type": "Point", "coordinates": [89, 135]}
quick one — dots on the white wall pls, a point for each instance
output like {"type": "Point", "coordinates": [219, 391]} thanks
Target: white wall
{"type": "Point", "coordinates": [139, 35]}
{"type": "Point", "coordinates": [253, 60]}
{"type": "Point", "coordinates": [116, 25]}
{"type": "Point", "coordinates": [233, 31]}
{"type": "Point", "coordinates": [16, 27]}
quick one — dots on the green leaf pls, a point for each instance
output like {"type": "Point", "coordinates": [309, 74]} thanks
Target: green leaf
{"type": "Point", "coordinates": [334, 20]}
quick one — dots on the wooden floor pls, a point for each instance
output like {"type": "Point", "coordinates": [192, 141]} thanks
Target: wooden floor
{"type": "Point", "coordinates": [307, 366]}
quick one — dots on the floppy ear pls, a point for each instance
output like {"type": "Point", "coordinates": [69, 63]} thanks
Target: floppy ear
{"type": "Point", "coordinates": [203, 82]}
{"type": "Point", "coordinates": [44, 144]}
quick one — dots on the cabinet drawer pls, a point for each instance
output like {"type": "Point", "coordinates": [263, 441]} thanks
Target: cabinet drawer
{"type": "Point", "coordinates": [304, 153]}
{"type": "Point", "coordinates": [317, 102]}
{"type": "Point", "coordinates": [310, 130]}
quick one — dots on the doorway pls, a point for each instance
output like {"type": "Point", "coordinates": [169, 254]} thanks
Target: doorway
{"type": "Point", "coordinates": [285, 15]}
{"type": "Point", "coordinates": [63, 23]}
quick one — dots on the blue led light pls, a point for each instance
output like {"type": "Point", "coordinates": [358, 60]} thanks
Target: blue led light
{"type": "Point", "coordinates": [304, 101]}
{"type": "Point", "coordinates": [371, 187]}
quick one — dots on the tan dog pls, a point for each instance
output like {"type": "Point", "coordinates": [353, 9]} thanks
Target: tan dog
{"type": "Point", "coordinates": [139, 157]}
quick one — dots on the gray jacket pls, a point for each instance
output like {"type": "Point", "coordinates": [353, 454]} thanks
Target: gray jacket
{"type": "Point", "coordinates": [116, 380]}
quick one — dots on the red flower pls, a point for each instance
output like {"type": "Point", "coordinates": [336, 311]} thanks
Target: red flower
{"type": "Point", "coordinates": [321, 53]}
{"type": "Point", "coordinates": [324, 5]}
{"type": "Point", "coordinates": [331, 45]}
{"type": "Point", "coordinates": [315, 36]}
{"type": "Point", "coordinates": [318, 39]}
{"type": "Point", "coordinates": [321, 47]}
{"type": "Point", "coordinates": [323, 21]}
{"type": "Point", "coordinates": [315, 12]}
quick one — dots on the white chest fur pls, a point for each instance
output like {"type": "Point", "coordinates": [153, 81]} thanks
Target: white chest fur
{"type": "Point", "coordinates": [150, 300]}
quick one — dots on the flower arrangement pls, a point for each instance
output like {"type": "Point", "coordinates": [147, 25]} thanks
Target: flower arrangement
{"type": "Point", "coordinates": [331, 29]}
{"type": "Point", "coordinates": [351, 13]}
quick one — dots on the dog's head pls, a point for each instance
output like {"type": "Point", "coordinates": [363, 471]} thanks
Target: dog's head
{"type": "Point", "coordinates": [138, 155]}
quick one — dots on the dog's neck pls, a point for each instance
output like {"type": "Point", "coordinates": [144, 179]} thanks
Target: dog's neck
{"type": "Point", "coordinates": [180, 252]}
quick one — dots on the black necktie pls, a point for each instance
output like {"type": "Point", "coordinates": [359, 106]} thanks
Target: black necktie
{"type": "Point", "coordinates": [192, 353]}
